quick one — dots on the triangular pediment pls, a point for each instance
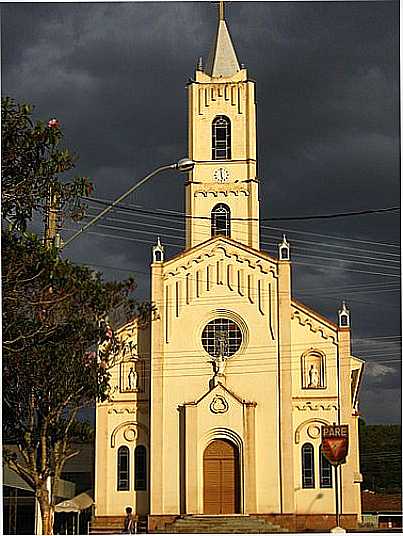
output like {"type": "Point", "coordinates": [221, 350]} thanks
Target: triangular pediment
{"type": "Point", "coordinates": [220, 390]}
{"type": "Point", "coordinates": [213, 245]}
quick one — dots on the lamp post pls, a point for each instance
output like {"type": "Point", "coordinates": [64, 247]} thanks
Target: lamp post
{"type": "Point", "coordinates": [183, 165]}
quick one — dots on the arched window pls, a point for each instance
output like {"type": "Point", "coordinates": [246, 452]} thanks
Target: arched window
{"type": "Point", "coordinates": [221, 220]}
{"type": "Point", "coordinates": [221, 138]}
{"type": "Point", "coordinates": [140, 468]}
{"type": "Point", "coordinates": [123, 469]}
{"type": "Point", "coordinates": [325, 471]}
{"type": "Point", "coordinates": [308, 467]}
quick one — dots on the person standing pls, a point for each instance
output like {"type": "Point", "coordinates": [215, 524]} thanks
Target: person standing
{"type": "Point", "coordinates": [130, 522]}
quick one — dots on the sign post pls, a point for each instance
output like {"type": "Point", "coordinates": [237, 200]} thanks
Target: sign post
{"type": "Point", "coordinates": [335, 449]}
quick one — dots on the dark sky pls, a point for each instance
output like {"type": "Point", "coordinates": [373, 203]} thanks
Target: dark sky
{"type": "Point", "coordinates": [327, 77]}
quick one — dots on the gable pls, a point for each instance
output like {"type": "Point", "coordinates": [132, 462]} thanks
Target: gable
{"type": "Point", "coordinates": [313, 321]}
{"type": "Point", "coordinates": [221, 269]}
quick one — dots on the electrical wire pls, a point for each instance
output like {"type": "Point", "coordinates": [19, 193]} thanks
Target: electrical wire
{"type": "Point", "coordinates": [337, 259]}
{"type": "Point", "coordinates": [289, 218]}
{"type": "Point", "coordinates": [177, 214]}
{"type": "Point", "coordinates": [316, 265]}
{"type": "Point", "coordinates": [273, 242]}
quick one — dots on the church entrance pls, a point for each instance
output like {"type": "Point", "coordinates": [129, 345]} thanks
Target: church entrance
{"type": "Point", "coordinates": [221, 478]}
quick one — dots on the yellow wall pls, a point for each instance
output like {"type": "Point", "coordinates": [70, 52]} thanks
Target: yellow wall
{"type": "Point", "coordinates": [271, 410]}
{"type": "Point", "coordinates": [123, 421]}
{"type": "Point", "coordinates": [235, 98]}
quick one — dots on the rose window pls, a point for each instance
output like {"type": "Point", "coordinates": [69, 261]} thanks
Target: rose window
{"type": "Point", "coordinates": [221, 337]}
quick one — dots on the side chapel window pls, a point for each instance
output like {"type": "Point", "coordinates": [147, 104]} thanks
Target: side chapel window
{"type": "Point", "coordinates": [140, 468]}
{"type": "Point", "coordinates": [221, 220]}
{"type": "Point", "coordinates": [308, 466]}
{"type": "Point", "coordinates": [325, 471]}
{"type": "Point", "coordinates": [221, 138]}
{"type": "Point", "coordinates": [123, 469]}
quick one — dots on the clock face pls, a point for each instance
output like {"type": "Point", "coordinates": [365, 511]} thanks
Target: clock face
{"type": "Point", "coordinates": [221, 175]}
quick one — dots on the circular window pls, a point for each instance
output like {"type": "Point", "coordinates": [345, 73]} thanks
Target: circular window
{"type": "Point", "coordinates": [221, 337]}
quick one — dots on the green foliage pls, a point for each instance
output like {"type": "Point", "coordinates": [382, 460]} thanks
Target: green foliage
{"type": "Point", "coordinates": [33, 161]}
{"type": "Point", "coordinates": [54, 312]}
{"type": "Point", "coordinates": [381, 457]}
{"type": "Point", "coordinates": [53, 318]}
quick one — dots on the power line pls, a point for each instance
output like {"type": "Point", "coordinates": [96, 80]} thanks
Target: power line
{"type": "Point", "coordinates": [316, 265]}
{"type": "Point", "coordinates": [334, 237]}
{"type": "Point", "coordinates": [303, 255]}
{"type": "Point", "coordinates": [334, 215]}
{"type": "Point", "coordinates": [284, 218]}
{"type": "Point", "coordinates": [338, 259]}
{"type": "Point", "coordinates": [367, 289]}
{"type": "Point", "coordinates": [273, 242]}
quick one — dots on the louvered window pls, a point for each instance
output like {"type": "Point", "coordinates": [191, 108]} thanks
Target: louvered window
{"type": "Point", "coordinates": [308, 467]}
{"type": "Point", "coordinates": [221, 138]}
{"type": "Point", "coordinates": [221, 220]}
{"type": "Point", "coordinates": [325, 471]}
{"type": "Point", "coordinates": [140, 468]}
{"type": "Point", "coordinates": [123, 483]}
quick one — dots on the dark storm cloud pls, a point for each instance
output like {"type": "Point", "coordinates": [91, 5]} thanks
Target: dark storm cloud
{"type": "Point", "coordinates": [327, 77]}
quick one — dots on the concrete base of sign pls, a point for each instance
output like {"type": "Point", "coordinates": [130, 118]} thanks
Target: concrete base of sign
{"type": "Point", "coordinates": [337, 530]}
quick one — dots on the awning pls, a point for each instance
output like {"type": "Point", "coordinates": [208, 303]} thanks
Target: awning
{"type": "Point", "coordinates": [76, 504]}
{"type": "Point", "coordinates": [12, 479]}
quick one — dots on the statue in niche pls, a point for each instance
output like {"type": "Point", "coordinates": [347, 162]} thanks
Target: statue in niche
{"type": "Point", "coordinates": [313, 369]}
{"type": "Point", "coordinates": [131, 379]}
{"type": "Point", "coordinates": [313, 375]}
{"type": "Point", "coordinates": [130, 376]}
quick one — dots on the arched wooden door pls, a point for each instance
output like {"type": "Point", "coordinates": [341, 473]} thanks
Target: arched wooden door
{"type": "Point", "coordinates": [221, 478]}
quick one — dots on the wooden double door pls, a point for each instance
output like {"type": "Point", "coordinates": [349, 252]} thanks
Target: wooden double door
{"type": "Point", "coordinates": [221, 487]}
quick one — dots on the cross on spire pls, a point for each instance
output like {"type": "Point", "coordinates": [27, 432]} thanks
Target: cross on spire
{"type": "Point", "coordinates": [221, 11]}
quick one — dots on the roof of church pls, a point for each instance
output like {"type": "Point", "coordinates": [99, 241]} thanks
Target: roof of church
{"type": "Point", "coordinates": [311, 312]}
{"type": "Point", "coordinates": [222, 60]}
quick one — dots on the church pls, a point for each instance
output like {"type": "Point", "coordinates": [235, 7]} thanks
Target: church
{"type": "Point", "coordinates": [217, 405]}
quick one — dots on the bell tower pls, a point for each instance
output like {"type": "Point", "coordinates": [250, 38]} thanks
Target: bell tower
{"type": "Point", "coordinates": [222, 189]}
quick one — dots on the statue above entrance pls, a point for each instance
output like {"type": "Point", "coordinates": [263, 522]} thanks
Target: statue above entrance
{"type": "Point", "coordinates": [221, 353]}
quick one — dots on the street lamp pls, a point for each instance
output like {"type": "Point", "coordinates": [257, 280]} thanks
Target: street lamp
{"type": "Point", "coordinates": [183, 165]}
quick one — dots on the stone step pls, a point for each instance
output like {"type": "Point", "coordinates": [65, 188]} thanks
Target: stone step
{"type": "Point", "coordinates": [223, 530]}
{"type": "Point", "coordinates": [237, 524]}
{"type": "Point", "coordinates": [234, 526]}
{"type": "Point", "coordinates": [246, 523]}
{"type": "Point", "coordinates": [113, 525]}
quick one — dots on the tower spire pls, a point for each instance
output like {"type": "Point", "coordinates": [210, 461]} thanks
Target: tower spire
{"type": "Point", "coordinates": [222, 61]}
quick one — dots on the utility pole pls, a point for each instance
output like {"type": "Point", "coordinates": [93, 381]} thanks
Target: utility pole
{"type": "Point", "coordinates": [183, 165]}
{"type": "Point", "coordinates": [51, 219]}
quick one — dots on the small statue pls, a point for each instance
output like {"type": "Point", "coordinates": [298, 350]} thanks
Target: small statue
{"type": "Point", "coordinates": [131, 379]}
{"type": "Point", "coordinates": [313, 376]}
{"type": "Point", "coordinates": [221, 343]}
{"type": "Point", "coordinates": [219, 365]}
{"type": "Point", "coordinates": [221, 350]}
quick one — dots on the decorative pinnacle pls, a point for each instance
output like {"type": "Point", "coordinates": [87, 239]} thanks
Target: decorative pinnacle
{"type": "Point", "coordinates": [284, 242]}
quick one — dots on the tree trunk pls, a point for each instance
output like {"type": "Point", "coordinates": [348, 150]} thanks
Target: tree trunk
{"type": "Point", "coordinates": [47, 512]}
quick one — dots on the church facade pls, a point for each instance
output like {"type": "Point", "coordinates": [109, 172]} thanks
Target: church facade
{"type": "Point", "coordinates": [217, 405]}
